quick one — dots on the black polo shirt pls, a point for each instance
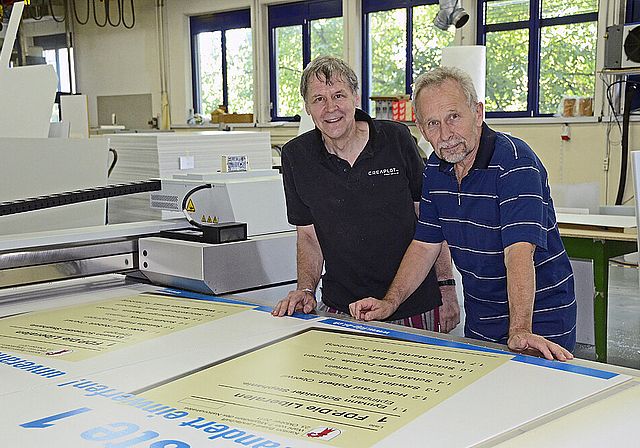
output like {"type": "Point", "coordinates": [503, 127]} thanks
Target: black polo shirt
{"type": "Point", "coordinates": [364, 215]}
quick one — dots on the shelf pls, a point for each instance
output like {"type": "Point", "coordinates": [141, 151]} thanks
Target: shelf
{"type": "Point", "coordinates": [620, 71]}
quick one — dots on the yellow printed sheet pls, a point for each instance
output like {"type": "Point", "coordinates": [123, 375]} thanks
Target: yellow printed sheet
{"type": "Point", "coordinates": [81, 332]}
{"type": "Point", "coordinates": [345, 389]}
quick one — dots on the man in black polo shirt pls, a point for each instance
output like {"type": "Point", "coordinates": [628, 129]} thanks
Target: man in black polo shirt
{"type": "Point", "coordinates": [351, 186]}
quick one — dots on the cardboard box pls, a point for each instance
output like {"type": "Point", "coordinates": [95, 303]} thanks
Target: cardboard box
{"type": "Point", "coordinates": [585, 107]}
{"type": "Point", "coordinates": [569, 107]}
{"type": "Point", "coordinates": [231, 118]}
{"type": "Point", "coordinates": [402, 110]}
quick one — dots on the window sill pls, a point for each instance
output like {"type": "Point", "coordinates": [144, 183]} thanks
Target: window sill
{"type": "Point", "coordinates": [542, 120]}
{"type": "Point", "coordinates": [216, 126]}
{"type": "Point", "coordinates": [545, 120]}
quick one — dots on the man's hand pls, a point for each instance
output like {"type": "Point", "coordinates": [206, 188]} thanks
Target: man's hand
{"type": "Point", "coordinates": [415, 265]}
{"type": "Point", "coordinates": [295, 301]}
{"type": "Point", "coordinates": [449, 312]}
{"type": "Point", "coordinates": [521, 289]}
{"type": "Point", "coordinates": [533, 344]}
{"type": "Point", "coordinates": [371, 309]}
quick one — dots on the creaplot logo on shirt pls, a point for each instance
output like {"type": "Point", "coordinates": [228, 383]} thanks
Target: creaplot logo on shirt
{"type": "Point", "coordinates": [384, 172]}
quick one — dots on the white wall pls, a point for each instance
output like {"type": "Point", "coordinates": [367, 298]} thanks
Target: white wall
{"type": "Point", "coordinates": [580, 159]}
{"type": "Point", "coordinates": [118, 61]}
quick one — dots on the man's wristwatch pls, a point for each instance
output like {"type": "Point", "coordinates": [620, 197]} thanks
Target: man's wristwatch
{"type": "Point", "coordinates": [449, 282]}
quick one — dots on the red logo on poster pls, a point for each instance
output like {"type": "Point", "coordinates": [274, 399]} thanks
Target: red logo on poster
{"type": "Point", "coordinates": [324, 433]}
{"type": "Point", "coordinates": [59, 352]}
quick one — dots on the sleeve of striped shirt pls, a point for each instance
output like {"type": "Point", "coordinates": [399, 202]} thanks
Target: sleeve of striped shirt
{"type": "Point", "coordinates": [523, 201]}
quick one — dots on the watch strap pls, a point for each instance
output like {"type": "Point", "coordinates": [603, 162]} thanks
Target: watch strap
{"type": "Point", "coordinates": [449, 282]}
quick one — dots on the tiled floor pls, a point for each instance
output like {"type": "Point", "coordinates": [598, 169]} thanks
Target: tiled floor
{"type": "Point", "coordinates": [624, 319]}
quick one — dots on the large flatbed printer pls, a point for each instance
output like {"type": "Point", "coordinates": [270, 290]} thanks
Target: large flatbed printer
{"type": "Point", "coordinates": [170, 252]}
{"type": "Point", "coordinates": [115, 336]}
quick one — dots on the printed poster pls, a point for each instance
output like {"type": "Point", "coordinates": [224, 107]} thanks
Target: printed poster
{"type": "Point", "coordinates": [346, 389]}
{"type": "Point", "coordinates": [81, 332]}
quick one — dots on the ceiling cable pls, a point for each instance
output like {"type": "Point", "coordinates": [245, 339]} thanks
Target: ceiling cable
{"type": "Point", "coordinates": [95, 17]}
{"type": "Point", "coordinates": [36, 10]}
{"type": "Point", "coordinates": [107, 13]}
{"type": "Point", "coordinates": [133, 15]}
{"type": "Point", "coordinates": [53, 15]}
{"type": "Point", "coordinates": [75, 12]}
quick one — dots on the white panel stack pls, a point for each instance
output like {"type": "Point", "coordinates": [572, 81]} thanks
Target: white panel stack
{"type": "Point", "coordinates": [157, 155]}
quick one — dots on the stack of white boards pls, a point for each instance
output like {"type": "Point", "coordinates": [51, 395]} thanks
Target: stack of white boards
{"type": "Point", "coordinates": [161, 155]}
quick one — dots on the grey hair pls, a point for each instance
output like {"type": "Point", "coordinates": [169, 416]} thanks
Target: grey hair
{"type": "Point", "coordinates": [437, 77]}
{"type": "Point", "coordinates": [328, 69]}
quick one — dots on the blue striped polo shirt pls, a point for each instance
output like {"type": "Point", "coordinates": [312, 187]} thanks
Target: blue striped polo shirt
{"type": "Point", "coordinates": [504, 199]}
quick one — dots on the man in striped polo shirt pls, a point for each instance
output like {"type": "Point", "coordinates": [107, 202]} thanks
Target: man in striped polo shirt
{"type": "Point", "coordinates": [487, 195]}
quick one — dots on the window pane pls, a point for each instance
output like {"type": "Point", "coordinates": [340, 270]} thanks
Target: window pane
{"type": "Point", "coordinates": [567, 63]}
{"type": "Point", "coordinates": [210, 46]}
{"type": "Point", "coordinates": [428, 40]}
{"type": "Point", "coordinates": [507, 54]}
{"type": "Point", "coordinates": [326, 37]}
{"type": "Point", "coordinates": [65, 86]}
{"type": "Point", "coordinates": [239, 71]}
{"type": "Point", "coordinates": [50, 58]}
{"type": "Point", "coordinates": [388, 55]}
{"type": "Point", "coordinates": [560, 8]}
{"type": "Point", "coordinates": [289, 69]}
{"type": "Point", "coordinates": [61, 66]}
{"type": "Point", "coordinates": [503, 11]}
{"type": "Point", "coordinates": [55, 113]}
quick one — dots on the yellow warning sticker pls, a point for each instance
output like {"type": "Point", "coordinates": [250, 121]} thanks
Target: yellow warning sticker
{"type": "Point", "coordinates": [215, 219]}
{"type": "Point", "coordinates": [204, 219]}
{"type": "Point", "coordinates": [209, 220]}
{"type": "Point", "coordinates": [190, 206]}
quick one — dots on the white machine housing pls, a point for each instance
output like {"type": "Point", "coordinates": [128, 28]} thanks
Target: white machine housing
{"type": "Point", "coordinates": [254, 197]}
{"type": "Point", "coordinates": [266, 259]}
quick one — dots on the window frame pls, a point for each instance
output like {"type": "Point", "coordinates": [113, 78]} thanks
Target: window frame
{"type": "Point", "coordinates": [370, 6]}
{"type": "Point", "coordinates": [535, 24]}
{"type": "Point", "coordinates": [295, 14]}
{"type": "Point", "coordinates": [219, 21]}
